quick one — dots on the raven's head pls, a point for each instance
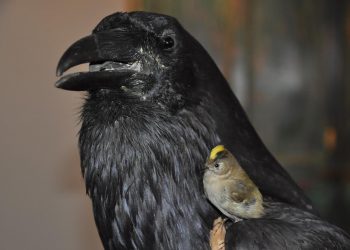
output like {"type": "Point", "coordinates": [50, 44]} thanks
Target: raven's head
{"type": "Point", "coordinates": [139, 55]}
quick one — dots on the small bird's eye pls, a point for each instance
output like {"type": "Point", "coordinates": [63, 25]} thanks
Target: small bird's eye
{"type": "Point", "coordinates": [216, 165]}
{"type": "Point", "coordinates": [167, 42]}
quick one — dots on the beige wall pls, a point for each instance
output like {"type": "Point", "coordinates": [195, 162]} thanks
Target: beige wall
{"type": "Point", "coordinates": [43, 201]}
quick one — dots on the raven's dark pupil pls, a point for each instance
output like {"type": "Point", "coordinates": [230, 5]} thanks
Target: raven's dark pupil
{"type": "Point", "coordinates": [216, 165]}
{"type": "Point", "coordinates": [168, 42]}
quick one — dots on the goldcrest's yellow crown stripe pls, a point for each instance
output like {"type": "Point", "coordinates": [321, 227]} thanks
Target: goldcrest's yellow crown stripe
{"type": "Point", "coordinates": [215, 151]}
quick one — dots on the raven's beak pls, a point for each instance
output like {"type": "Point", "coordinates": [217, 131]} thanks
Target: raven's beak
{"type": "Point", "coordinates": [113, 56]}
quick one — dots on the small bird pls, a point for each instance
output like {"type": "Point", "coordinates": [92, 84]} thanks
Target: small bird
{"type": "Point", "coordinates": [229, 188]}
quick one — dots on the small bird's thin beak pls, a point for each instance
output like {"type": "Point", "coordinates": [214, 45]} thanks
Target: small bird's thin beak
{"type": "Point", "coordinates": [205, 168]}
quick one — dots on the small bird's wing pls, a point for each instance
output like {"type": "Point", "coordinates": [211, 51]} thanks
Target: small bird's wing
{"type": "Point", "coordinates": [238, 190]}
{"type": "Point", "coordinates": [240, 200]}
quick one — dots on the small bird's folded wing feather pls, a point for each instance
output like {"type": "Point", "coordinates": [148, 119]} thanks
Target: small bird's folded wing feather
{"type": "Point", "coordinates": [238, 190]}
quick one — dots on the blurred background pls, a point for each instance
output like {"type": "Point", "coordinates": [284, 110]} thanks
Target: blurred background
{"type": "Point", "coordinates": [287, 61]}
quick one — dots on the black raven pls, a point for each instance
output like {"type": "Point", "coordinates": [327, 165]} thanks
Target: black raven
{"type": "Point", "coordinates": [156, 105]}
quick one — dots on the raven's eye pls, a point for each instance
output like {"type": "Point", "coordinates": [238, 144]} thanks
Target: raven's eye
{"type": "Point", "coordinates": [216, 165]}
{"type": "Point", "coordinates": [167, 42]}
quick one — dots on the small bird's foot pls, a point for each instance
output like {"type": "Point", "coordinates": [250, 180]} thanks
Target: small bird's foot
{"type": "Point", "coordinates": [217, 234]}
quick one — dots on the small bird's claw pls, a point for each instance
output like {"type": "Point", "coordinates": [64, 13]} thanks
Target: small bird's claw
{"type": "Point", "coordinates": [217, 235]}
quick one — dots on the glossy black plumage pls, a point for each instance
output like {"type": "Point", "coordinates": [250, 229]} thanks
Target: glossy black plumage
{"type": "Point", "coordinates": [148, 124]}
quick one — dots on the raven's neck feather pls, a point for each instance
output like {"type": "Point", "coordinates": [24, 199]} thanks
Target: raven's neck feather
{"type": "Point", "coordinates": [143, 173]}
